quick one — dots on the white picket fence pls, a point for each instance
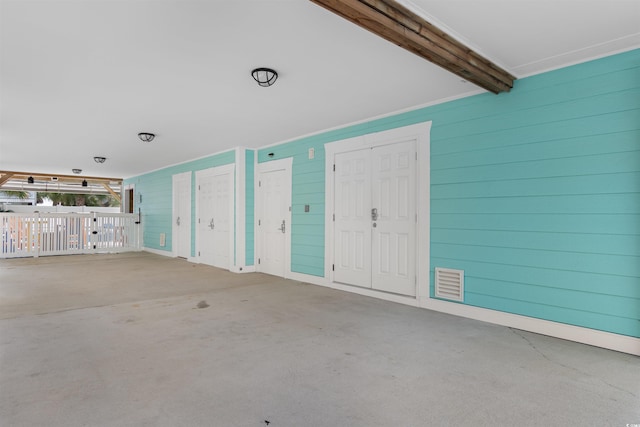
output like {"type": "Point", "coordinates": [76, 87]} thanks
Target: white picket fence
{"type": "Point", "coordinates": [42, 234]}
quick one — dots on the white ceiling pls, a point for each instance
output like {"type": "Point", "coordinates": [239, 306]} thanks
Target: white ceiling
{"type": "Point", "coordinates": [80, 78]}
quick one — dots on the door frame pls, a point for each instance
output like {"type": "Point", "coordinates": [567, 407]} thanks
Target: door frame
{"type": "Point", "coordinates": [186, 176]}
{"type": "Point", "coordinates": [261, 168]}
{"type": "Point", "coordinates": [421, 133]}
{"type": "Point", "coordinates": [218, 170]}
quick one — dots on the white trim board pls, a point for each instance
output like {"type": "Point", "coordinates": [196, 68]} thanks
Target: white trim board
{"type": "Point", "coordinates": [238, 261]}
{"type": "Point", "coordinates": [593, 337]}
{"type": "Point", "coordinates": [578, 334]}
{"type": "Point", "coordinates": [158, 252]}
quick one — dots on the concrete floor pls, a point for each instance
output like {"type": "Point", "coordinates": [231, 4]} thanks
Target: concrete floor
{"type": "Point", "coordinates": [138, 339]}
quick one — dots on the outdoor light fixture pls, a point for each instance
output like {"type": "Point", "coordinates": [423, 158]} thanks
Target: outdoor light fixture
{"type": "Point", "coordinates": [264, 76]}
{"type": "Point", "coordinates": [99, 159]}
{"type": "Point", "coordinates": [30, 180]}
{"type": "Point", "coordinates": [85, 183]}
{"type": "Point", "coordinates": [146, 136]}
{"type": "Point", "coordinates": [76, 171]}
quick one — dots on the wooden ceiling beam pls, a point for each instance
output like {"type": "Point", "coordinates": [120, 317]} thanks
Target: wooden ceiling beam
{"type": "Point", "coordinates": [4, 177]}
{"type": "Point", "coordinates": [61, 178]}
{"type": "Point", "coordinates": [110, 190]}
{"type": "Point", "coordinates": [399, 25]}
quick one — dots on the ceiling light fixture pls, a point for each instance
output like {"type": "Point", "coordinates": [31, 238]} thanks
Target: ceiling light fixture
{"type": "Point", "coordinates": [264, 76]}
{"type": "Point", "coordinates": [76, 171]}
{"type": "Point", "coordinates": [99, 159]}
{"type": "Point", "coordinates": [146, 136]}
{"type": "Point", "coordinates": [30, 180]}
{"type": "Point", "coordinates": [85, 183]}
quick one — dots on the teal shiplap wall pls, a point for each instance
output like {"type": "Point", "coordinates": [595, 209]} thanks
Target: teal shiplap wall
{"type": "Point", "coordinates": [537, 196]}
{"type": "Point", "coordinates": [534, 193]}
{"type": "Point", "coordinates": [250, 207]}
{"type": "Point", "coordinates": [156, 207]}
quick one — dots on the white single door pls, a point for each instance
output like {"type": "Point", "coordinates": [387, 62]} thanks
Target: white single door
{"type": "Point", "coordinates": [215, 215]}
{"type": "Point", "coordinates": [274, 197]}
{"type": "Point", "coordinates": [375, 218]}
{"type": "Point", "coordinates": [181, 235]}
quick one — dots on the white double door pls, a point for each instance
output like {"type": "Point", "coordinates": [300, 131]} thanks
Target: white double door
{"type": "Point", "coordinates": [375, 218]}
{"type": "Point", "coordinates": [215, 225]}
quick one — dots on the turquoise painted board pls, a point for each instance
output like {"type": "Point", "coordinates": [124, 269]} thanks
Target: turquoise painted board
{"type": "Point", "coordinates": [543, 213]}
{"type": "Point", "coordinates": [534, 193]}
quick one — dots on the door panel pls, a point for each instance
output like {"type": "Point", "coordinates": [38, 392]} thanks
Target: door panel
{"type": "Point", "coordinates": [353, 218]}
{"type": "Point", "coordinates": [205, 219]}
{"type": "Point", "coordinates": [274, 225]}
{"type": "Point", "coordinates": [222, 187]}
{"type": "Point", "coordinates": [182, 215]}
{"type": "Point", "coordinates": [393, 237]}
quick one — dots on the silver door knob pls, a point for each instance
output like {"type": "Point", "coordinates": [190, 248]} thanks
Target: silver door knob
{"type": "Point", "coordinates": [282, 227]}
{"type": "Point", "coordinates": [178, 221]}
{"type": "Point", "coordinates": [211, 224]}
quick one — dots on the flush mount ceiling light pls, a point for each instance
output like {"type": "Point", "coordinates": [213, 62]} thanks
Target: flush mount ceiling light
{"type": "Point", "coordinates": [99, 159]}
{"type": "Point", "coordinates": [146, 136]}
{"type": "Point", "coordinates": [76, 171]}
{"type": "Point", "coordinates": [264, 76]}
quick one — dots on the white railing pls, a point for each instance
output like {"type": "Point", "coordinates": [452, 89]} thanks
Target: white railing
{"type": "Point", "coordinates": [42, 234]}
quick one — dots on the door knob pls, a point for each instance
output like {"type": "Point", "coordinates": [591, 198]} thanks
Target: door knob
{"type": "Point", "coordinates": [178, 221]}
{"type": "Point", "coordinates": [211, 224]}
{"type": "Point", "coordinates": [282, 227]}
{"type": "Point", "coordinates": [374, 214]}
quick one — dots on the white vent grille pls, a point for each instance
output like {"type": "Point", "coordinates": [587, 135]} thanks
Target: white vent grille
{"type": "Point", "coordinates": [450, 284]}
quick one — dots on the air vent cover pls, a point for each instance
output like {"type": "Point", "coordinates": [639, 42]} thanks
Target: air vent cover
{"type": "Point", "coordinates": [450, 284]}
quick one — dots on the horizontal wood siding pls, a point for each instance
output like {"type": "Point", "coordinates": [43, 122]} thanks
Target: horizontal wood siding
{"type": "Point", "coordinates": [534, 193]}
{"type": "Point", "coordinates": [156, 189]}
{"type": "Point", "coordinates": [537, 197]}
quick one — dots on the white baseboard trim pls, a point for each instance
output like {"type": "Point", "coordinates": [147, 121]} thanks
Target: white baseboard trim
{"type": "Point", "coordinates": [240, 269]}
{"type": "Point", "coordinates": [307, 278]}
{"type": "Point", "coordinates": [158, 252]}
{"type": "Point", "coordinates": [608, 340]}
{"type": "Point", "coordinates": [400, 299]}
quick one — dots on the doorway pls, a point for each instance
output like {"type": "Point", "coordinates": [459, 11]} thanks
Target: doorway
{"type": "Point", "coordinates": [377, 211]}
{"type": "Point", "coordinates": [273, 200]}
{"type": "Point", "coordinates": [215, 225]}
{"type": "Point", "coordinates": [375, 218]}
